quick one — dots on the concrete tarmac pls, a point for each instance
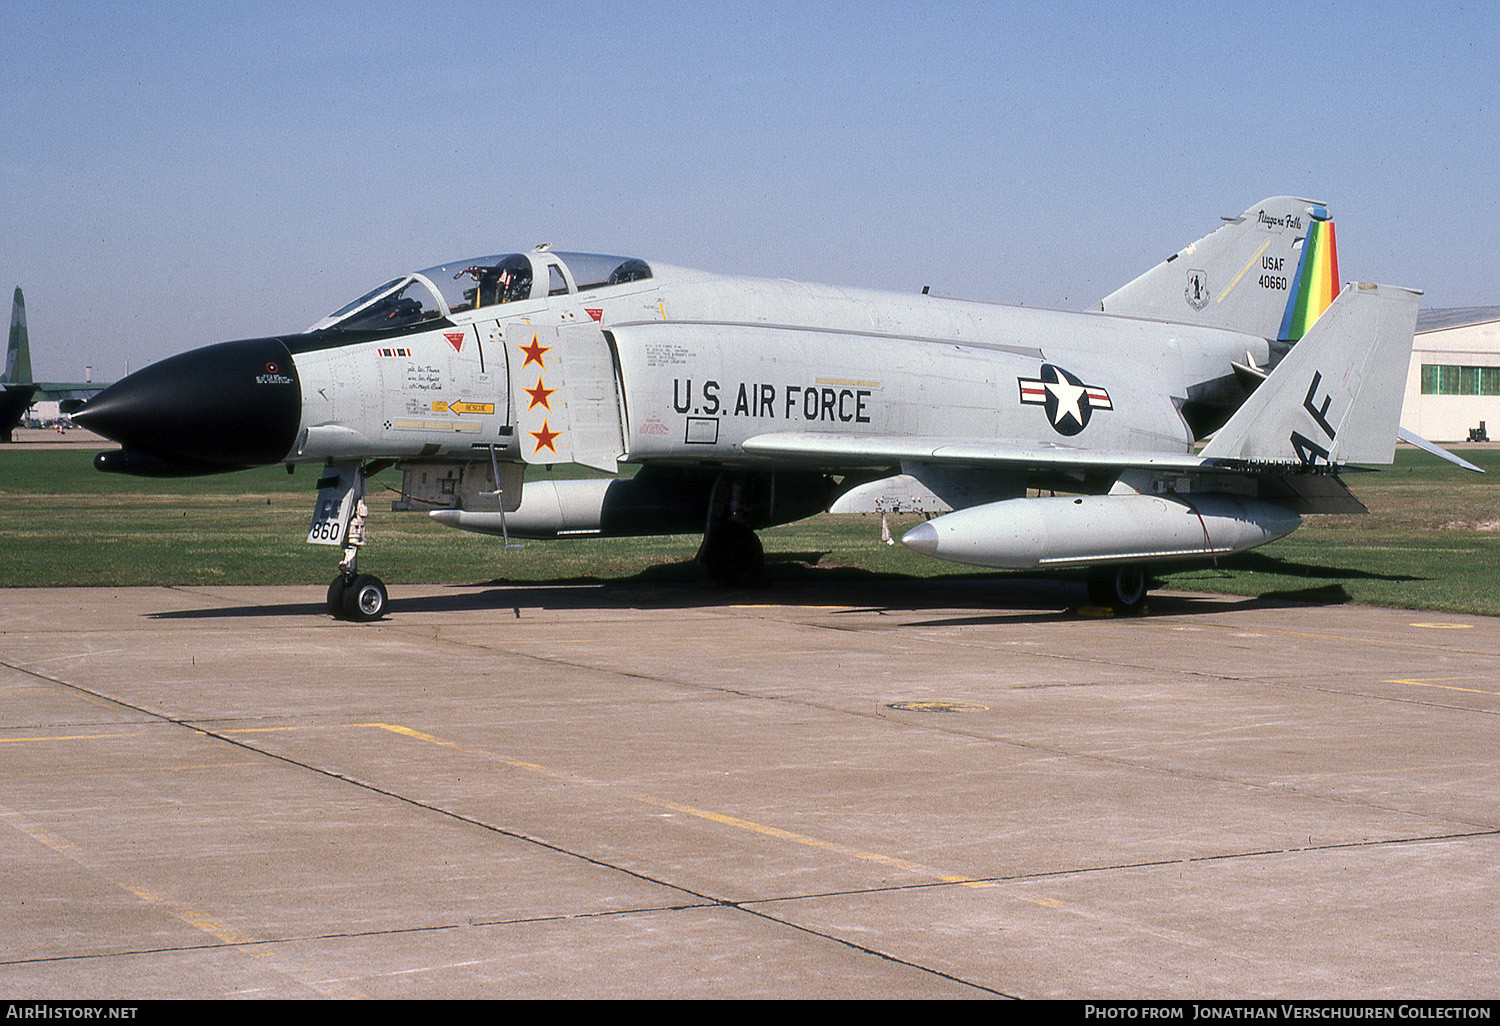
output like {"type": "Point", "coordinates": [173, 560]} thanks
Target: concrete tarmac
{"type": "Point", "coordinates": [891, 789]}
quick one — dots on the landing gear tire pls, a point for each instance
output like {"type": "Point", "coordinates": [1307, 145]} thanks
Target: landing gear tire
{"type": "Point", "coordinates": [733, 555]}
{"type": "Point", "coordinates": [364, 598]}
{"type": "Point", "coordinates": [1122, 588]}
{"type": "Point", "coordinates": [336, 596]}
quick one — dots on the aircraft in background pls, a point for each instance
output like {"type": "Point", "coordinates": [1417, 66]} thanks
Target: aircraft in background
{"type": "Point", "coordinates": [749, 402]}
{"type": "Point", "coordinates": [17, 390]}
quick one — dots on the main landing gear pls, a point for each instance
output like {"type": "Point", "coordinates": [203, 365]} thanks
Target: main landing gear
{"type": "Point", "coordinates": [1122, 588]}
{"type": "Point", "coordinates": [731, 552]}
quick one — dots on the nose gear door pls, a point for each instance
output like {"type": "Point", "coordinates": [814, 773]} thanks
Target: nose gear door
{"type": "Point", "coordinates": [567, 406]}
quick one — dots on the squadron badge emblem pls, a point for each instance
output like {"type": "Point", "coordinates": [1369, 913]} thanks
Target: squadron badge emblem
{"type": "Point", "coordinates": [1196, 292]}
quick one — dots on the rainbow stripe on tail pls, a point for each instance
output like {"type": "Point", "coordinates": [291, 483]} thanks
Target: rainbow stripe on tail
{"type": "Point", "coordinates": [1317, 281]}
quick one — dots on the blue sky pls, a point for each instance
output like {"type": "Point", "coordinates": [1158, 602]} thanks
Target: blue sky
{"type": "Point", "coordinates": [174, 175]}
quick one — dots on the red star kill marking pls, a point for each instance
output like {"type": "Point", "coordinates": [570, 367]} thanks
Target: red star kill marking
{"type": "Point", "coordinates": [546, 438]}
{"type": "Point", "coordinates": [534, 354]}
{"type": "Point", "coordinates": [539, 396]}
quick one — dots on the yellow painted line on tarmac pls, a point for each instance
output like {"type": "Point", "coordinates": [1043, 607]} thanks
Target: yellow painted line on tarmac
{"type": "Point", "coordinates": [64, 737]}
{"type": "Point", "coordinates": [396, 728]}
{"type": "Point", "coordinates": [417, 735]}
{"type": "Point", "coordinates": [41, 836]}
{"type": "Point", "coordinates": [713, 817]}
{"type": "Point", "coordinates": [216, 929]}
{"type": "Point", "coordinates": [1376, 642]}
{"type": "Point", "coordinates": [811, 842]}
{"type": "Point", "coordinates": [1435, 682]}
{"type": "Point", "coordinates": [183, 912]}
{"type": "Point", "coordinates": [243, 943]}
{"type": "Point", "coordinates": [1444, 626]}
{"type": "Point", "coordinates": [196, 918]}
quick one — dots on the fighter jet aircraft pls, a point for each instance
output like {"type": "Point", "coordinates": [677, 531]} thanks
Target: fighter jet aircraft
{"type": "Point", "coordinates": [749, 402]}
{"type": "Point", "coordinates": [17, 390]}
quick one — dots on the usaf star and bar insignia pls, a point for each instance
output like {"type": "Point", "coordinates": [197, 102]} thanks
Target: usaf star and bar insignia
{"type": "Point", "coordinates": [1068, 401]}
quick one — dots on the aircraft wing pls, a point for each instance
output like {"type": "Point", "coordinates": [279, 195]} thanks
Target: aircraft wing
{"type": "Point", "coordinates": [57, 390]}
{"type": "Point", "coordinates": [942, 463]}
{"type": "Point", "coordinates": [843, 450]}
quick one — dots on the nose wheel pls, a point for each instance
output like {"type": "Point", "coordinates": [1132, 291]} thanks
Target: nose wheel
{"type": "Point", "coordinates": [357, 597]}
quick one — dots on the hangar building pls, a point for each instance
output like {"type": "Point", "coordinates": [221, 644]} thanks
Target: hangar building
{"type": "Point", "coordinates": [1453, 387]}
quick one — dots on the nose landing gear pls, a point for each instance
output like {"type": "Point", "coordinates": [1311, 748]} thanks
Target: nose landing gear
{"type": "Point", "coordinates": [339, 519]}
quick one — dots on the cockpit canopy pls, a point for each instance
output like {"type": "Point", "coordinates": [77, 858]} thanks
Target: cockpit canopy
{"type": "Point", "coordinates": [464, 285]}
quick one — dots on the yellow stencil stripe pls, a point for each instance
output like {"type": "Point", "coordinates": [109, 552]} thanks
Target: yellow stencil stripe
{"type": "Point", "coordinates": [1247, 267]}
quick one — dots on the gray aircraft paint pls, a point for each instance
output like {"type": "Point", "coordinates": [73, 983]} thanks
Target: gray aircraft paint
{"type": "Point", "coordinates": [739, 383]}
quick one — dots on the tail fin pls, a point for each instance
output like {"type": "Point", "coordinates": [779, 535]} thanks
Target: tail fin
{"type": "Point", "coordinates": [1336, 397]}
{"type": "Point", "coordinates": [1317, 280]}
{"type": "Point", "coordinates": [18, 353]}
{"type": "Point", "coordinates": [1269, 272]}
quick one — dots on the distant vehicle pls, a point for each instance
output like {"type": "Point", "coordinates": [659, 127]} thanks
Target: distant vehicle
{"type": "Point", "coordinates": [47, 413]}
{"type": "Point", "coordinates": [17, 390]}
{"type": "Point", "coordinates": [751, 402]}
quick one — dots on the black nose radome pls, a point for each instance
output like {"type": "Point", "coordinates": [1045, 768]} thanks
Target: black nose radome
{"type": "Point", "coordinates": [236, 404]}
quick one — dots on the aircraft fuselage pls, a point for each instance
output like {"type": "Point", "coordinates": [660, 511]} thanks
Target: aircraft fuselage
{"type": "Point", "coordinates": [680, 367]}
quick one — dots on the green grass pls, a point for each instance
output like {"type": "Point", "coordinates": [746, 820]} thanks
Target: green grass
{"type": "Point", "coordinates": [1431, 540]}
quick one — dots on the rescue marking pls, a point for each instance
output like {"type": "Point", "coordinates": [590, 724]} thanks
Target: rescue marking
{"type": "Point", "coordinates": [455, 339]}
{"type": "Point", "coordinates": [460, 408]}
